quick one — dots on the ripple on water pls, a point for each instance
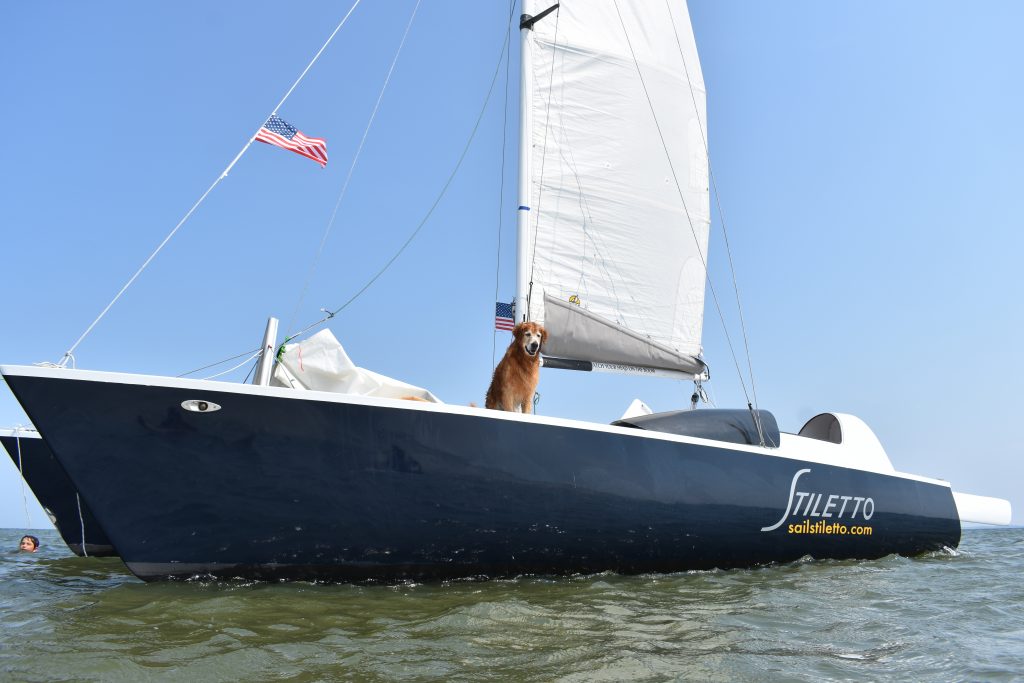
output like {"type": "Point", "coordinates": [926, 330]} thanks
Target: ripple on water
{"type": "Point", "coordinates": [942, 616]}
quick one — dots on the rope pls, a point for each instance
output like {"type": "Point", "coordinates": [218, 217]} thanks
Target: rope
{"type": "Point", "coordinates": [501, 184]}
{"type": "Point", "coordinates": [315, 57]}
{"type": "Point", "coordinates": [48, 364]}
{"type": "Point", "coordinates": [81, 523]}
{"type": "Point", "coordinates": [231, 369]}
{"type": "Point", "coordinates": [721, 218]}
{"type": "Point", "coordinates": [68, 354]}
{"type": "Point", "coordinates": [251, 370]}
{"type": "Point", "coordinates": [21, 471]}
{"type": "Point", "coordinates": [430, 211]}
{"type": "Point", "coordinates": [351, 168]}
{"type": "Point", "coordinates": [220, 362]}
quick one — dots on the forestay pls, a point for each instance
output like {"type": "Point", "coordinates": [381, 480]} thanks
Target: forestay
{"type": "Point", "coordinates": [618, 189]}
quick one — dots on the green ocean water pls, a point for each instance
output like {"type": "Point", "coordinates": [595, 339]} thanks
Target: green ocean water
{"type": "Point", "coordinates": [947, 616]}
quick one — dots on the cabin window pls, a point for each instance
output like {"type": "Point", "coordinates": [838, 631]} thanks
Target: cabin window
{"type": "Point", "coordinates": [824, 427]}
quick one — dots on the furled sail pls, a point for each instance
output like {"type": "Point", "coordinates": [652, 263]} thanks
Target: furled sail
{"type": "Point", "coordinates": [618, 210]}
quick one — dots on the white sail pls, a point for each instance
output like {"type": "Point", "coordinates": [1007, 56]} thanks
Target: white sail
{"type": "Point", "coordinates": [618, 213]}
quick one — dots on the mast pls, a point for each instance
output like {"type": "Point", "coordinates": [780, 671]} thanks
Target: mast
{"type": "Point", "coordinates": [265, 366]}
{"type": "Point", "coordinates": [525, 130]}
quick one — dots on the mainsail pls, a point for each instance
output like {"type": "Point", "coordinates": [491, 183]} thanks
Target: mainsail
{"type": "Point", "coordinates": [617, 210]}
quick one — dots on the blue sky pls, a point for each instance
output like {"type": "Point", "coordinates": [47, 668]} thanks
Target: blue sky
{"type": "Point", "coordinates": [868, 157]}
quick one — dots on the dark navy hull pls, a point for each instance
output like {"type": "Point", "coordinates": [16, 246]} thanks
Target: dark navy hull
{"type": "Point", "coordinates": [273, 485]}
{"type": "Point", "coordinates": [58, 496]}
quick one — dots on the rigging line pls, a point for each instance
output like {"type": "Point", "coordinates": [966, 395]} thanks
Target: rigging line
{"type": "Point", "coordinates": [718, 204]}
{"type": "Point", "coordinates": [220, 362]}
{"type": "Point", "coordinates": [440, 196]}
{"type": "Point", "coordinates": [68, 354]}
{"type": "Point", "coordinates": [444, 189]}
{"type": "Point", "coordinates": [352, 168]}
{"type": "Point", "coordinates": [686, 209]}
{"type": "Point", "coordinates": [316, 57]}
{"type": "Point", "coordinates": [251, 370]}
{"type": "Point", "coordinates": [21, 471]}
{"type": "Point", "coordinates": [543, 159]}
{"type": "Point", "coordinates": [231, 369]}
{"type": "Point", "coordinates": [501, 184]}
{"type": "Point", "coordinates": [81, 524]}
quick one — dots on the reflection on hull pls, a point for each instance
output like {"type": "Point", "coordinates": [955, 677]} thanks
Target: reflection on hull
{"type": "Point", "coordinates": [282, 484]}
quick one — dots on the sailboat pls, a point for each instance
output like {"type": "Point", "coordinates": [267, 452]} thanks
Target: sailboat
{"type": "Point", "coordinates": [295, 479]}
{"type": "Point", "coordinates": [56, 494]}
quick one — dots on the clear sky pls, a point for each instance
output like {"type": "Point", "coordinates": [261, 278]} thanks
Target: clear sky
{"type": "Point", "coordinates": [868, 156]}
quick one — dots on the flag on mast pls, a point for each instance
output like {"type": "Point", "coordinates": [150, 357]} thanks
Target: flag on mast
{"type": "Point", "coordinates": [278, 132]}
{"type": "Point", "coordinates": [503, 316]}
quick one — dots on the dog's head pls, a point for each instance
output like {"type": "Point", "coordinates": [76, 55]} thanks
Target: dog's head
{"type": "Point", "coordinates": [530, 336]}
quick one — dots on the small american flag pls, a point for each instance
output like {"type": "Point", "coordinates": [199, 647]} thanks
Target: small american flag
{"type": "Point", "coordinates": [503, 316]}
{"type": "Point", "coordinates": [278, 132]}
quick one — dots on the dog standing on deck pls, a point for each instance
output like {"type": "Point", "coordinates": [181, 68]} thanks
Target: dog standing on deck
{"type": "Point", "coordinates": [515, 378]}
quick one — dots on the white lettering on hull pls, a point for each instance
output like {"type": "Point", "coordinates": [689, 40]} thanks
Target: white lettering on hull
{"type": "Point", "coordinates": [809, 504]}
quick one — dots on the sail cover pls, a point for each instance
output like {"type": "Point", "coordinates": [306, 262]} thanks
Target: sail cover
{"type": "Point", "coordinates": [619, 213]}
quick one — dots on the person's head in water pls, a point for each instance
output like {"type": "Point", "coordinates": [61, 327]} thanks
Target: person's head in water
{"type": "Point", "coordinates": [29, 544]}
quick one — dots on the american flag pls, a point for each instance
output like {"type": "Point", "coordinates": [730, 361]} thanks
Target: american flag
{"type": "Point", "coordinates": [277, 131]}
{"type": "Point", "coordinates": [503, 316]}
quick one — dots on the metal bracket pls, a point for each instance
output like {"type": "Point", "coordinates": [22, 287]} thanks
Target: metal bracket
{"type": "Point", "coordinates": [526, 21]}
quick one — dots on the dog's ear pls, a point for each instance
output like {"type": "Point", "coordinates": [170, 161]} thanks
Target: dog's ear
{"type": "Point", "coordinates": [517, 331]}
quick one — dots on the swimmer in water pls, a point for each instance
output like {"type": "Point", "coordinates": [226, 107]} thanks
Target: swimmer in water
{"type": "Point", "coordinates": [29, 544]}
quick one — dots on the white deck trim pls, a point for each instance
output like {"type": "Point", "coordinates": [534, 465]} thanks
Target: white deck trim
{"type": "Point", "coordinates": [21, 433]}
{"type": "Point", "coordinates": [200, 385]}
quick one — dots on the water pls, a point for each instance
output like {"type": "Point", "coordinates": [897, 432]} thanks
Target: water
{"type": "Point", "coordinates": [942, 617]}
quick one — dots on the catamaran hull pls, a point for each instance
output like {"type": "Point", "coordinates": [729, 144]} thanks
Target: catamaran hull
{"type": "Point", "coordinates": [271, 483]}
{"type": "Point", "coordinates": [56, 494]}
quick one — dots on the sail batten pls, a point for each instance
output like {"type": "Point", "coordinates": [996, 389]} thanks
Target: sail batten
{"type": "Point", "coordinates": [618, 185]}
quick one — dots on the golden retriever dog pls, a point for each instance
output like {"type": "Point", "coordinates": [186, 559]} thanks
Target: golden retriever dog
{"type": "Point", "coordinates": [515, 378]}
